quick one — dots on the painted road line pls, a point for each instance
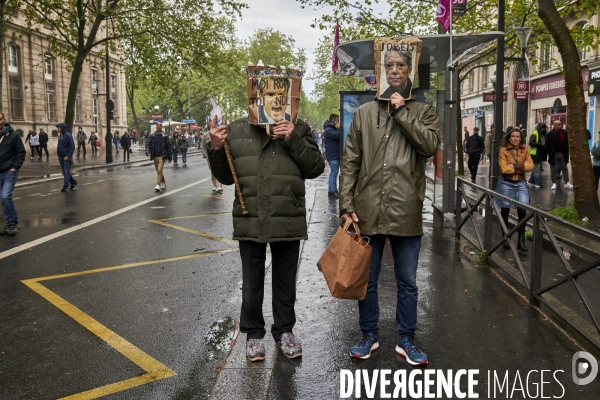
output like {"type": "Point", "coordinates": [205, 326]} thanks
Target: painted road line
{"type": "Point", "coordinates": [101, 180]}
{"type": "Point", "coordinates": [193, 216]}
{"type": "Point", "coordinates": [193, 232]}
{"type": "Point", "coordinates": [155, 370]}
{"type": "Point", "coordinates": [87, 183]}
{"type": "Point", "coordinates": [64, 232]}
{"type": "Point", "coordinates": [35, 194]}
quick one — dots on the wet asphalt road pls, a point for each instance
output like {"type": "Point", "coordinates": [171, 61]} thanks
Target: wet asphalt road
{"type": "Point", "coordinates": [180, 311]}
{"type": "Point", "coordinates": [157, 288]}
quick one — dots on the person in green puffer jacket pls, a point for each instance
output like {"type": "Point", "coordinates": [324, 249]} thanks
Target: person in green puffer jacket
{"type": "Point", "coordinates": [271, 174]}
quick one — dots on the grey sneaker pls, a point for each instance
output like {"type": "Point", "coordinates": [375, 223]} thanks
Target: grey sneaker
{"type": "Point", "coordinates": [289, 345]}
{"type": "Point", "coordinates": [255, 349]}
{"type": "Point", "coordinates": [12, 229]}
{"type": "Point", "coordinates": [5, 230]}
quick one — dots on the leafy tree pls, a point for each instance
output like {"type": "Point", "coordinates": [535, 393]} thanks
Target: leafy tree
{"type": "Point", "coordinates": [82, 26]}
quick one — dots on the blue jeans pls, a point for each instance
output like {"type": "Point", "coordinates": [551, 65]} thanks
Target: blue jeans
{"type": "Point", "coordinates": [184, 156]}
{"type": "Point", "coordinates": [515, 190]}
{"type": "Point", "coordinates": [334, 165]}
{"type": "Point", "coordinates": [536, 174]}
{"type": "Point", "coordinates": [117, 146]}
{"type": "Point", "coordinates": [405, 250]}
{"type": "Point", "coordinates": [65, 166]}
{"type": "Point", "coordinates": [175, 153]}
{"type": "Point", "coordinates": [7, 185]}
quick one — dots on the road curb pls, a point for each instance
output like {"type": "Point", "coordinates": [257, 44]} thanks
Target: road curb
{"type": "Point", "coordinates": [57, 176]}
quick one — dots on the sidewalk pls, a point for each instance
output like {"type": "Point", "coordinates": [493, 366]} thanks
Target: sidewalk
{"type": "Point", "coordinates": [36, 169]}
{"type": "Point", "coordinates": [469, 317]}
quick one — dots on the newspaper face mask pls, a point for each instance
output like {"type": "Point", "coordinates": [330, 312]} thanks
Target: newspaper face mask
{"type": "Point", "coordinates": [273, 94]}
{"type": "Point", "coordinates": [396, 62]}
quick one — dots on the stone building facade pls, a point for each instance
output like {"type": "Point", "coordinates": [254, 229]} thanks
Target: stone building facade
{"type": "Point", "coordinates": [35, 85]}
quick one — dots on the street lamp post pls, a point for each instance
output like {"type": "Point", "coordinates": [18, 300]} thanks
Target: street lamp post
{"type": "Point", "coordinates": [523, 35]}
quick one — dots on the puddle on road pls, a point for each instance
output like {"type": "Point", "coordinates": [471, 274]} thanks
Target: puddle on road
{"type": "Point", "coordinates": [219, 336]}
{"type": "Point", "coordinates": [43, 222]}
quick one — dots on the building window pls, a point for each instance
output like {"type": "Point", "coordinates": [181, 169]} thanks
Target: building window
{"type": "Point", "coordinates": [13, 59]}
{"type": "Point", "coordinates": [546, 57]}
{"type": "Point", "coordinates": [113, 87]}
{"type": "Point", "coordinates": [472, 82]}
{"type": "Point", "coordinates": [94, 81]}
{"type": "Point", "coordinates": [51, 101]}
{"type": "Point", "coordinates": [78, 105]}
{"type": "Point", "coordinates": [580, 46]}
{"type": "Point", "coordinates": [486, 79]}
{"type": "Point", "coordinates": [95, 112]}
{"type": "Point", "coordinates": [16, 96]}
{"type": "Point", "coordinates": [48, 68]}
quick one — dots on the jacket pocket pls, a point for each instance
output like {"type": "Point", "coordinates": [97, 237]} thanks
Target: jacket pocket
{"type": "Point", "coordinates": [360, 183]}
{"type": "Point", "coordinates": [296, 199]}
{"type": "Point", "coordinates": [419, 184]}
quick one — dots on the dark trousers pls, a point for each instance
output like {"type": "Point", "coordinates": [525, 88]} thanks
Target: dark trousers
{"type": "Point", "coordinates": [284, 268]}
{"type": "Point", "coordinates": [521, 213]}
{"type": "Point", "coordinates": [597, 174]}
{"type": "Point", "coordinates": [94, 148]}
{"type": "Point", "coordinates": [45, 148]}
{"type": "Point", "coordinates": [80, 145]}
{"type": "Point", "coordinates": [35, 149]}
{"type": "Point", "coordinates": [473, 164]}
{"type": "Point", "coordinates": [125, 153]}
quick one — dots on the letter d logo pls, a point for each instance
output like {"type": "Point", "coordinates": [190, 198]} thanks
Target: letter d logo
{"type": "Point", "coordinates": [582, 367]}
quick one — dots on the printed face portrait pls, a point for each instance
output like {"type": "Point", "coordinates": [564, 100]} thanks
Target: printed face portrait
{"type": "Point", "coordinates": [397, 69]}
{"type": "Point", "coordinates": [273, 102]}
{"type": "Point", "coordinates": [273, 94]}
{"type": "Point", "coordinates": [396, 62]}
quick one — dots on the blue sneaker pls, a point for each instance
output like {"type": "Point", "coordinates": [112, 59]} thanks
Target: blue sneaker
{"type": "Point", "coordinates": [407, 348]}
{"type": "Point", "coordinates": [367, 343]}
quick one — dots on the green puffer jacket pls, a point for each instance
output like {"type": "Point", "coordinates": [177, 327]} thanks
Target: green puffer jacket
{"type": "Point", "coordinates": [271, 174]}
{"type": "Point", "coordinates": [382, 171]}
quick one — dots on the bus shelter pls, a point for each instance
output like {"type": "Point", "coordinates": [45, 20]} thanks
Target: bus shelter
{"type": "Point", "coordinates": [436, 85]}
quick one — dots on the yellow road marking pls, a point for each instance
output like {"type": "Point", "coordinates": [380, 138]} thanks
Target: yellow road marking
{"type": "Point", "coordinates": [193, 216]}
{"type": "Point", "coordinates": [203, 234]}
{"type": "Point", "coordinates": [155, 370]}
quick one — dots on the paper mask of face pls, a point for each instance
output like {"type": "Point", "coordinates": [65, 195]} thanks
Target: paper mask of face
{"type": "Point", "coordinates": [396, 64]}
{"type": "Point", "coordinates": [273, 94]}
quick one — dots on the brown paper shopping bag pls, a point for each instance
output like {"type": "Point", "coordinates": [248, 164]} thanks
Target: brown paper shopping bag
{"type": "Point", "coordinates": [346, 263]}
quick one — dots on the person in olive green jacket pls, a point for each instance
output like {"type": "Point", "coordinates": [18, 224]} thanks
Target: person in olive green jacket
{"type": "Point", "coordinates": [382, 188]}
{"type": "Point", "coordinates": [271, 174]}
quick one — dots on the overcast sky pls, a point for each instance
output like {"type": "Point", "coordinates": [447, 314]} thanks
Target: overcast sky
{"type": "Point", "coordinates": [287, 17]}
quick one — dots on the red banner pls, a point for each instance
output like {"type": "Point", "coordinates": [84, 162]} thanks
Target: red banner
{"type": "Point", "coordinates": [491, 97]}
{"type": "Point", "coordinates": [521, 89]}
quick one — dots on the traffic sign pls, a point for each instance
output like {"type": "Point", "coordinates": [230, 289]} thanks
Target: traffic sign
{"type": "Point", "coordinates": [189, 121]}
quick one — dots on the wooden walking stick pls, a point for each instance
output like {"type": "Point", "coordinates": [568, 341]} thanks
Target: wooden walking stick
{"type": "Point", "coordinates": [238, 189]}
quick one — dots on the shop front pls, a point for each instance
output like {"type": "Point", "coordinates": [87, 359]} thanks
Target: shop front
{"type": "Point", "coordinates": [548, 99]}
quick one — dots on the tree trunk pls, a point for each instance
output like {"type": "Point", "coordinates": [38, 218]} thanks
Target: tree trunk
{"type": "Point", "coordinates": [586, 197]}
{"type": "Point", "coordinates": [72, 96]}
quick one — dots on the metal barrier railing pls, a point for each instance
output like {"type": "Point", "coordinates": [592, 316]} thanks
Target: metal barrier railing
{"type": "Point", "coordinates": [576, 256]}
